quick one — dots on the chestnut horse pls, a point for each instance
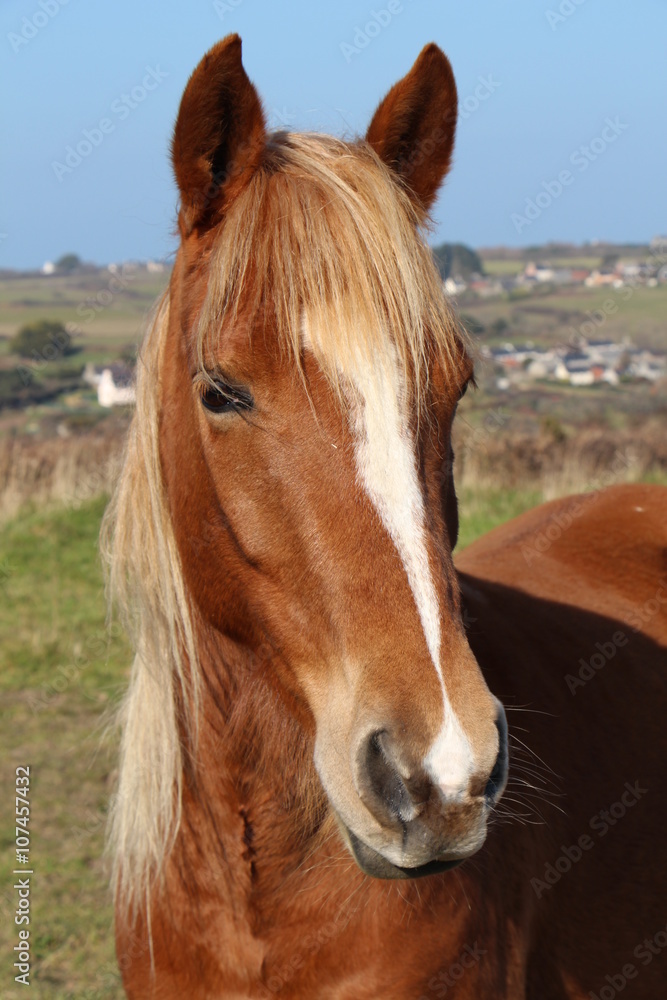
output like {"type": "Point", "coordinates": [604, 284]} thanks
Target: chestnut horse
{"type": "Point", "coordinates": [310, 723]}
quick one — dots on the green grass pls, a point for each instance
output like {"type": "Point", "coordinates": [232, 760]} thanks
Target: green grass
{"type": "Point", "coordinates": [59, 673]}
{"type": "Point", "coordinates": [480, 511]}
{"type": "Point", "coordinates": [502, 268]}
{"type": "Point", "coordinates": [554, 317]}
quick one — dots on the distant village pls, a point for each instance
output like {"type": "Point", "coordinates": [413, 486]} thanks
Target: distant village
{"type": "Point", "coordinates": [586, 363]}
{"type": "Point", "coordinates": [582, 361]}
{"type": "Point", "coordinates": [650, 272]}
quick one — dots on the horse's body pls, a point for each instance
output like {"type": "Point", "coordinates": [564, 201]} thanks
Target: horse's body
{"type": "Point", "coordinates": [234, 879]}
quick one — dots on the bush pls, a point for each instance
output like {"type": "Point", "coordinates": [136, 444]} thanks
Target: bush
{"type": "Point", "coordinates": [499, 326]}
{"type": "Point", "coordinates": [454, 259]}
{"type": "Point", "coordinates": [67, 371]}
{"type": "Point", "coordinates": [17, 387]}
{"type": "Point", "coordinates": [552, 427]}
{"type": "Point", "coordinates": [11, 382]}
{"type": "Point", "coordinates": [68, 263]}
{"type": "Point", "coordinates": [45, 338]}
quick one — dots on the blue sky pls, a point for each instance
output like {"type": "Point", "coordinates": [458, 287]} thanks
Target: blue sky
{"type": "Point", "coordinates": [556, 71]}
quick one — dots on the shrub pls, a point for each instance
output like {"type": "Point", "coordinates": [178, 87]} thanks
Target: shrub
{"type": "Point", "coordinates": [499, 326]}
{"type": "Point", "coordinates": [68, 263]}
{"type": "Point", "coordinates": [15, 387]}
{"type": "Point", "coordinates": [45, 338]}
{"type": "Point", "coordinates": [454, 259]}
{"type": "Point", "coordinates": [11, 381]}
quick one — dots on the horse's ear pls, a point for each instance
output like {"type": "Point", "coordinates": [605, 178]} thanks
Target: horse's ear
{"type": "Point", "coordinates": [219, 135]}
{"type": "Point", "coordinates": [413, 129]}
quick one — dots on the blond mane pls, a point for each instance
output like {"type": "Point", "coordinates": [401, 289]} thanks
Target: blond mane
{"type": "Point", "coordinates": [325, 230]}
{"type": "Point", "coordinates": [322, 229]}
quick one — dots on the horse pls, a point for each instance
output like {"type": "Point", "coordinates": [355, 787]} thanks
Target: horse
{"type": "Point", "coordinates": [319, 795]}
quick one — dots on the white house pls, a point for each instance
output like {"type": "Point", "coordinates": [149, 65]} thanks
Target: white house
{"type": "Point", "coordinates": [598, 279]}
{"type": "Point", "coordinates": [538, 272]}
{"type": "Point", "coordinates": [645, 364]}
{"type": "Point", "coordinates": [114, 383]}
{"type": "Point", "coordinates": [582, 369]}
{"type": "Point", "coordinates": [576, 371]}
{"type": "Point", "coordinates": [454, 286]}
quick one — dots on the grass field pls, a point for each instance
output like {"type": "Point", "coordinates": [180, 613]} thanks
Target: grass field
{"type": "Point", "coordinates": [501, 267]}
{"type": "Point", "coordinates": [60, 674]}
{"type": "Point", "coordinates": [108, 315]}
{"type": "Point", "coordinates": [548, 319]}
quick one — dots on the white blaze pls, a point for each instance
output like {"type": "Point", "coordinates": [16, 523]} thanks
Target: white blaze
{"type": "Point", "coordinates": [386, 460]}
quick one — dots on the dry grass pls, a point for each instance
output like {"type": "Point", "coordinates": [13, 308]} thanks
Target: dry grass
{"type": "Point", "coordinates": [38, 472]}
{"type": "Point", "coordinates": [553, 463]}
{"type": "Point", "coordinates": [72, 471]}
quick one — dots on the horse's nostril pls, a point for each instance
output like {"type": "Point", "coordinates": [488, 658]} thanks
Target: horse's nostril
{"type": "Point", "coordinates": [498, 776]}
{"type": "Point", "coordinates": [381, 784]}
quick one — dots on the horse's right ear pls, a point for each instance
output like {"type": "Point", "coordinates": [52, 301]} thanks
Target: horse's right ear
{"type": "Point", "coordinates": [219, 136]}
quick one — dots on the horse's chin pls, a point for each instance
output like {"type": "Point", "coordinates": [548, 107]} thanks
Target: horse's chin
{"type": "Point", "coordinates": [373, 863]}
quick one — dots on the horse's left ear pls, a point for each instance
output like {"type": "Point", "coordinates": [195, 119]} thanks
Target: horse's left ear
{"type": "Point", "coordinates": [413, 129]}
{"type": "Point", "coordinates": [219, 136]}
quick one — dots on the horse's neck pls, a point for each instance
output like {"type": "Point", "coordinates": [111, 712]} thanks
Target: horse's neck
{"type": "Point", "coordinates": [253, 793]}
{"type": "Point", "coordinates": [259, 862]}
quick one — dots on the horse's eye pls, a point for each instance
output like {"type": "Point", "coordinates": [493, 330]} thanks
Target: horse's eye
{"type": "Point", "coordinates": [218, 397]}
